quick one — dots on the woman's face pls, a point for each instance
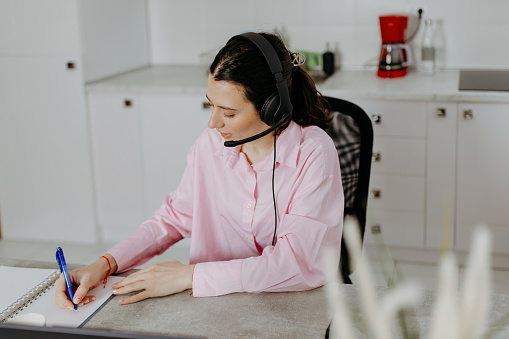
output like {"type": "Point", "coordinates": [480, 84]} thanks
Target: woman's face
{"type": "Point", "coordinates": [233, 115]}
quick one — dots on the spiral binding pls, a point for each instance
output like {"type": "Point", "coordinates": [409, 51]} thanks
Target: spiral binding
{"type": "Point", "coordinates": [29, 297]}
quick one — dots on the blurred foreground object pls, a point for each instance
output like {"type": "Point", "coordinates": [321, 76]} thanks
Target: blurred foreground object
{"type": "Point", "coordinates": [455, 314]}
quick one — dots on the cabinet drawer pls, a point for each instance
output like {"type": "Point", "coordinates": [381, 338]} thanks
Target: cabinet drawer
{"type": "Point", "coordinates": [399, 156]}
{"type": "Point", "coordinates": [397, 193]}
{"type": "Point", "coordinates": [398, 228]}
{"type": "Point", "coordinates": [396, 118]}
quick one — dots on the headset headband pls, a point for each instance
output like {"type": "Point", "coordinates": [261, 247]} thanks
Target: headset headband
{"type": "Point", "coordinates": [284, 107]}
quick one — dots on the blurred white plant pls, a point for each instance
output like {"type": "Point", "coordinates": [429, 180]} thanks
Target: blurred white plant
{"type": "Point", "coordinates": [452, 317]}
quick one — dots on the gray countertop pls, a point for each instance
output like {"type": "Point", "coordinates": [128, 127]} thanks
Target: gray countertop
{"type": "Point", "coordinates": [238, 315]}
{"type": "Point", "coordinates": [249, 315]}
{"type": "Point", "coordinates": [349, 84]}
{"type": "Point", "coordinates": [156, 79]}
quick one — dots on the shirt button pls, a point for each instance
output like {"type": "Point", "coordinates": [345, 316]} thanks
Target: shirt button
{"type": "Point", "coordinates": [249, 206]}
{"type": "Point", "coordinates": [249, 238]}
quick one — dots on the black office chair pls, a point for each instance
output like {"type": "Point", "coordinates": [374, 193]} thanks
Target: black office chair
{"type": "Point", "coordinates": [352, 132]}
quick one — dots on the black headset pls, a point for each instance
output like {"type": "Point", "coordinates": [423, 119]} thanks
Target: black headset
{"type": "Point", "coordinates": [277, 108]}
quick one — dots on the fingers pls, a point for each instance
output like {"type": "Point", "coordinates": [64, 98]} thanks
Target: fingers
{"type": "Point", "coordinates": [135, 282]}
{"type": "Point", "coordinates": [86, 300]}
{"type": "Point", "coordinates": [81, 278]}
{"type": "Point", "coordinates": [61, 298]}
{"type": "Point", "coordinates": [135, 298]}
{"type": "Point", "coordinates": [155, 281]}
{"type": "Point", "coordinates": [81, 292]}
{"type": "Point", "coordinates": [130, 285]}
{"type": "Point", "coordinates": [136, 276]}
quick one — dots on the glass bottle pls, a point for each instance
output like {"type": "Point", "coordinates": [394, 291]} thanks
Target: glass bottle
{"type": "Point", "coordinates": [428, 48]}
{"type": "Point", "coordinates": [328, 61]}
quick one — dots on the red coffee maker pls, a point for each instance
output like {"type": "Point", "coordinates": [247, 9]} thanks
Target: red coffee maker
{"type": "Point", "coordinates": [395, 54]}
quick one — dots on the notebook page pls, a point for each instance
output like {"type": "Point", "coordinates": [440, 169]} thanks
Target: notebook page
{"type": "Point", "coordinates": [16, 281]}
{"type": "Point", "coordinates": [56, 316]}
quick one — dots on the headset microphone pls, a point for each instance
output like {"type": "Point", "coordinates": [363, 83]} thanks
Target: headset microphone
{"type": "Point", "coordinates": [233, 143]}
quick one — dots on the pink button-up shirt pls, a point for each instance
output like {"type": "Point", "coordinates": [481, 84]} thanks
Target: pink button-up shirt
{"type": "Point", "coordinates": [225, 205]}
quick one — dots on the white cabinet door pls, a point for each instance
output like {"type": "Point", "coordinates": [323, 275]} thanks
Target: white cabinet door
{"type": "Point", "coordinates": [45, 173]}
{"type": "Point", "coordinates": [170, 124]}
{"type": "Point", "coordinates": [441, 174]}
{"type": "Point", "coordinates": [116, 141]}
{"type": "Point", "coordinates": [43, 28]}
{"type": "Point", "coordinates": [483, 168]}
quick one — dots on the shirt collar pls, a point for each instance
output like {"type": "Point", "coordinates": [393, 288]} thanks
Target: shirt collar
{"type": "Point", "coordinates": [287, 147]}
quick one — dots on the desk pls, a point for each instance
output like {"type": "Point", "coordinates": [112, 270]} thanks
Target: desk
{"type": "Point", "coordinates": [244, 315]}
{"type": "Point", "coordinates": [239, 315]}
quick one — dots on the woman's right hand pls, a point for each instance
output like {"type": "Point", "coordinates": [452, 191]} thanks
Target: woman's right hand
{"type": "Point", "coordinates": [83, 280]}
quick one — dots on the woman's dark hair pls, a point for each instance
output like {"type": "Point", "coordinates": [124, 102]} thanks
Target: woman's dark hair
{"type": "Point", "coordinates": [242, 63]}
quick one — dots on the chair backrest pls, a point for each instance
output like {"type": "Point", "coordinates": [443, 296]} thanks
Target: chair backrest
{"type": "Point", "coordinates": [352, 132]}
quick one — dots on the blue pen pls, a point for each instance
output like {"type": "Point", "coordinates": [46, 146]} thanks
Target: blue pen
{"type": "Point", "coordinates": [63, 269]}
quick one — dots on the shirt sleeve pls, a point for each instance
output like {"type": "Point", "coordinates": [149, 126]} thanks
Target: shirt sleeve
{"type": "Point", "coordinates": [312, 221]}
{"type": "Point", "coordinates": [170, 223]}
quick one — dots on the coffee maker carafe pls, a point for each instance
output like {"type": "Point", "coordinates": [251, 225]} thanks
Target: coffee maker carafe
{"type": "Point", "coordinates": [395, 55]}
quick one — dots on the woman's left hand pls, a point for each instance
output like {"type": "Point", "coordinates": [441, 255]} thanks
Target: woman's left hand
{"type": "Point", "coordinates": [158, 280]}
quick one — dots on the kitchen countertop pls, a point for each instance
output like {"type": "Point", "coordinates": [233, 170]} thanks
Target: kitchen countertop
{"type": "Point", "coordinates": [348, 84]}
{"type": "Point", "coordinates": [261, 315]}
{"type": "Point", "coordinates": [170, 79]}
{"type": "Point", "coordinates": [237, 315]}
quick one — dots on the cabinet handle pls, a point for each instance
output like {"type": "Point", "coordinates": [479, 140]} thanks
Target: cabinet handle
{"type": "Point", "coordinates": [377, 156]}
{"type": "Point", "coordinates": [71, 65]}
{"type": "Point", "coordinates": [376, 229]}
{"type": "Point", "coordinates": [468, 114]}
{"type": "Point", "coordinates": [376, 193]}
{"type": "Point", "coordinates": [206, 105]}
{"type": "Point", "coordinates": [128, 102]}
{"type": "Point", "coordinates": [376, 118]}
{"type": "Point", "coordinates": [441, 112]}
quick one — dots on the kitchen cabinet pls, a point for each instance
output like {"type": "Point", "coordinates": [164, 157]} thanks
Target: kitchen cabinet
{"type": "Point", "coordinates": [117, 159]}
{"type": "Point", "coordinates": [441, 174]}
{"type": "Point", "coordinates": [140, 143]}
{"type": "Point", "coordinates": [32, 27]}
{"type": "Point", "coordinates": [397, 185]}
{"type": "Point", "coordinates": [436, 164]}
{"type": "Point", "coordinates": [45, 174]}
{"type": "Point", "coordinates": [46, 183]}
{"type": "Point", "coordinates": [169, 126]}
{"type": "Point", "coordinates": [482, 173]}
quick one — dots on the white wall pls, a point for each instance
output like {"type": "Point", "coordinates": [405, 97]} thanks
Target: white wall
{"type": "Point", "coordinates": [473, 33]}
{"type": "Point", "coordinates": [113, 37]}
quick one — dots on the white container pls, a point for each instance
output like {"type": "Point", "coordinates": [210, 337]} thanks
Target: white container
{"type": "Point", "coordinates": [428, 48]}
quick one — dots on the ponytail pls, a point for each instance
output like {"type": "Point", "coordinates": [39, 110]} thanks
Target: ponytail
{"type": "Point", "coordinates": [309, 106]}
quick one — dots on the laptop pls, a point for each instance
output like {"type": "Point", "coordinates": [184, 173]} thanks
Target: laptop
{"type": "Point", "coordinates": [14, 331]}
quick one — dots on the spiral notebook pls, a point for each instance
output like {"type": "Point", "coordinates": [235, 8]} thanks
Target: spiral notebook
{"type": "Point", "coordinates": [30, 290]}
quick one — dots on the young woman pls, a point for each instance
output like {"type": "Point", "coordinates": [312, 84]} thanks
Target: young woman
{"type": "Point", "coordinates": [258, 214]}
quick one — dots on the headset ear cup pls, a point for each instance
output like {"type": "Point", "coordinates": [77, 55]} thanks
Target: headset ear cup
{"type": "Point", "coordinates": [269, 109]}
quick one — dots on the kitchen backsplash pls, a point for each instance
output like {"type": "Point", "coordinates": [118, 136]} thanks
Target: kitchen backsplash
{"type": "Point", "coordinates": [471, 33]}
